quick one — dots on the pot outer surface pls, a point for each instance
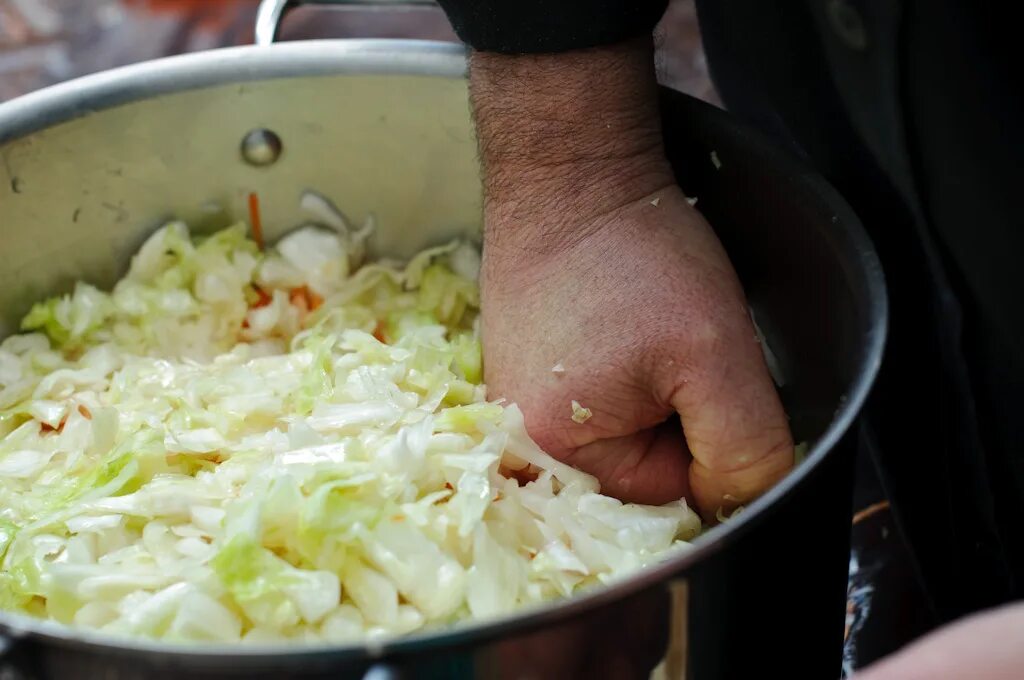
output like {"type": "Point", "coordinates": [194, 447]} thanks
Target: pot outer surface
{"type": "Point", "coordinates": [384, 127]}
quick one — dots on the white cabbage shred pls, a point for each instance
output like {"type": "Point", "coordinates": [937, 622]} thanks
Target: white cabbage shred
{"type": "Point", "coordinates": [292, 445]}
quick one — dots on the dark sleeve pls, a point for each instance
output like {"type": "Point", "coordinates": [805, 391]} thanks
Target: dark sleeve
{"type": "Point", "coordinates": [535, 26]}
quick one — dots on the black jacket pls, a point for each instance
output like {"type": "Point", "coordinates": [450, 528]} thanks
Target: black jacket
{"type": "Point", "coordinates": [912, 109]}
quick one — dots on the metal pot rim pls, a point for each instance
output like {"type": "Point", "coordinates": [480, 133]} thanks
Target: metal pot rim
{"type": "Point", "coordinates": [84, 96]}
{"type": "Point", "coordinates": [89, 94]}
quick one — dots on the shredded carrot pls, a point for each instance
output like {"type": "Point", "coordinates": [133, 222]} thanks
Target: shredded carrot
{"type": "Point", "coordinates": [298, 299]}
{"type": "Point", "coordinates": [85, 412]}
{"type": "Point", "coordinates": [263, 298]}
{"type": "Point", "coordinates": [46, 428]}
{"type": "Point", "coordinates": [398, 518]}
{"type": "Point", "coordinates": [378, 332]}
{"type": "Point", "coordinates": [254, 219]}
{"type": "Point", "coordinates": [305, 299]}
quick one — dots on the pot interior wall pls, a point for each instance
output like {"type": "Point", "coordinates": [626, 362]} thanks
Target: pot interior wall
{"type": "Point", "coordinates": [79, 198]}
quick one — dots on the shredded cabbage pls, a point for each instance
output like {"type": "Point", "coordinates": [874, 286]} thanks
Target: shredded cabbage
{"type": "Point", "coordinates": [294, 445]}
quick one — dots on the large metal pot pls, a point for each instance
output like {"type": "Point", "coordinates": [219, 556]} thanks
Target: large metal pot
{"type": "Point", "coordinates": [89, 168]}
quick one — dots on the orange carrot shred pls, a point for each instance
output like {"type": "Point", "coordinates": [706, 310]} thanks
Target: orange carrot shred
{"type": "Point", "coordinates": [378, 332]}
{"type": "Point", "coordinates": [298, 299]}
{"type": "Point", "coordinates": [46, 428]}
{"type": "Point", "coordinates": [85, 412]}
{"type": "Point", "coordinates": [254, 219]}
{"type": "Point", "coordinates": [305, 299]}
{"type": "Point", "coordinates": [263, 298]}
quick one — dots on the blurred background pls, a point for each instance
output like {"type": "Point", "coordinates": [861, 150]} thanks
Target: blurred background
{"type": "Point", "coordinates": [47, 41]}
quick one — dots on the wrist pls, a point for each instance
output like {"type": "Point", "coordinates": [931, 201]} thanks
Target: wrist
{"type": "Point", "coordinates": [566, 138]}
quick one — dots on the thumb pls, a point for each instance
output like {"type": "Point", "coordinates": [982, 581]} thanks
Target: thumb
{"type": "Point", "coordinates": [733, 420]}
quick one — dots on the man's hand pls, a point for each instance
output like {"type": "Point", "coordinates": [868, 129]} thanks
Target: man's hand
{"type": "Point", "coordinates": [594, 262]}
{"type": "Point", "coordinates": [986, 646]}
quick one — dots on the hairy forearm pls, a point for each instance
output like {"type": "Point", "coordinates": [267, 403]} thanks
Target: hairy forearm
{"type": "Point", "coordinates": [566, 138]}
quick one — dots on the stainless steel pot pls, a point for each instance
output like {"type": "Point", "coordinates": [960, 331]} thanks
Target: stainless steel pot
{"type": "Point", "coordinates": [90, 167]}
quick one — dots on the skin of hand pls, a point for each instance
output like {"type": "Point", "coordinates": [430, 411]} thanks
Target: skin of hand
{"type": "Point", "coordinates": [595, 260]}
{"type": "Point", "coordinates": [987, 646]}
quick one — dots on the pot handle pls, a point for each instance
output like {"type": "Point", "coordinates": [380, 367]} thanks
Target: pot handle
{"type": "Point", "coordinates": [382, 671]}
{"type": "Point", "coordinates": [10, 667]}
{"type": "Point", "coordinates": [676, 664]}
{"type": "Point", "coordinates": [271, 12]}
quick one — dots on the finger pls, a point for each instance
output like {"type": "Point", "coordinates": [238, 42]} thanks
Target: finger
{"type": "Point", "coordinates": [986, 646]}
{"type": "Point", "coordinates": [648, 467]}
{"type": "Point", "coordinates": [734, 423]}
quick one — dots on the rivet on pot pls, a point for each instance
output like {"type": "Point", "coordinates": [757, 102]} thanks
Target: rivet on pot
{"type": "Point", "coordinates": [261, 147]}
